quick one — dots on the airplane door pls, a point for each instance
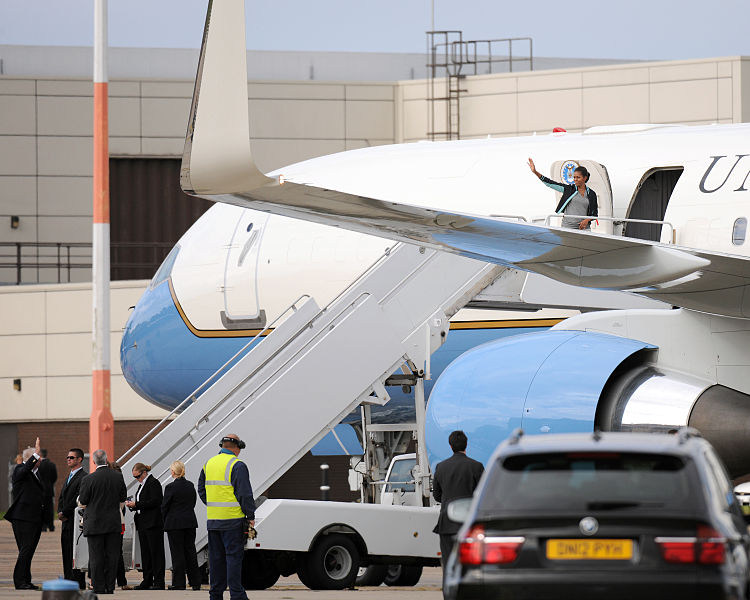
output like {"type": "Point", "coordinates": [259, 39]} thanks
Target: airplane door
{"type": "Point", "coordinates": [562, 171]}
{"type": "Point", "coordinates": [241, 305]}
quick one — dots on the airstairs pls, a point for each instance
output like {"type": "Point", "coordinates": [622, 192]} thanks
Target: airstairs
{"type": "Point", "coordinates": [318, 365]}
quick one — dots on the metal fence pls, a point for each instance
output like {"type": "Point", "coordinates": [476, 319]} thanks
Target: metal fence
{"type": "Point", "coordinates": [56, 262]}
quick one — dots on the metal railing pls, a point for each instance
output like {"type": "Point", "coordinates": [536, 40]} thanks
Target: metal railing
{"type": "Point", "coordinates": [516, 217]}
{"type": "Point", "coordinates": [450, 60]}
{"type": "Point", "coordinates": [31, 260]}
{"type": "Point", "coordinates": [617, 221]}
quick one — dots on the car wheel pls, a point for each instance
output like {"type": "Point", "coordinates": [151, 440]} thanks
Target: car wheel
{"type": "Point", "coordinates": [372, 575]}
{"type": "Point", "coordinates": [403, 575]}
{"type": "Point", "coordinates": [333, 563]}
{"type": "Point", "coordinates": [258, 573]}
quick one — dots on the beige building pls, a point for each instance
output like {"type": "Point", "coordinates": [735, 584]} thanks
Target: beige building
{"type": "Point", "coordinates": [46, 126]}
{"type": "Point", "coordinates": [46, 182]}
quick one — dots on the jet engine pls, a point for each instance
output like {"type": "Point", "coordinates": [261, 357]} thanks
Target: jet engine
{"type": "Point", "coordinates": [577, 381]}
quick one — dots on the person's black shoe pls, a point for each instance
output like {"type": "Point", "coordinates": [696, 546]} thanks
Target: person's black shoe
{"type": "Point", "coordinates": [156, 587]}
{"type": "Point", "coordinates": [142, 587]}
{"type": "Point", "coordinates": [176, 587]}
{"type": "Point", "coordinates": [196, 588]}
{"type": "Point", "coordinates": [27, 586]}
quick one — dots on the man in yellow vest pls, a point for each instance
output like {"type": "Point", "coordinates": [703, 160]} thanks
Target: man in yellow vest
{"type": "Point", "coordinates": [224, 487]}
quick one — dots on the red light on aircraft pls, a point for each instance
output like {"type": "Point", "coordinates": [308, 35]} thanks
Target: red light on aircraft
{"type": "Point", "coordinates": [559, 130]}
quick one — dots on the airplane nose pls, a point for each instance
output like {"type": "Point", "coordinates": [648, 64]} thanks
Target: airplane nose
{"type": "Point", "coordinates": [161, 359]}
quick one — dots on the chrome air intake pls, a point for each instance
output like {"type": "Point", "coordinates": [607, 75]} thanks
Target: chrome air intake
{"type": "Point", "coordinates": [652, 399]}
{"type": "Point", "coordinates": [647, 398]}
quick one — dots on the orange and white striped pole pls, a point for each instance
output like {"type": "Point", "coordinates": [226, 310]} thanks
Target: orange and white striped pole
{"type": "Point", "coordinates": [101, 425]}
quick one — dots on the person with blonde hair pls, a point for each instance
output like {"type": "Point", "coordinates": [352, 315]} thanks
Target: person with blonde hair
{"type": "Point", "coordinates": [147, 508]}
{"type": "Point", "coordinates": [178, 512]}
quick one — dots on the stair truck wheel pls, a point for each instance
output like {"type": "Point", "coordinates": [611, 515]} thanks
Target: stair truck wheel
{"type": "Point", "coordinates": [332, 564]}
{"type": "Point", "coordinates": [372, 575]}
{"type": "Point", "coordinates": [403, 575]}
{"type": "Point", "coordinates": [303, 572]}
{"type": "Point", "coordinates": [259, 572]}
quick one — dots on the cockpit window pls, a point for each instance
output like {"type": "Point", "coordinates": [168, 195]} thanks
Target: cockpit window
{"type": "Point", "coordinates": [739, 231]}
{"type": "Point", "coordinates": [165, 270]}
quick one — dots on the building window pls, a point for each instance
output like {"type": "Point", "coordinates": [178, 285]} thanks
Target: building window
{"type": "Point", "coordinates": [738, 231]}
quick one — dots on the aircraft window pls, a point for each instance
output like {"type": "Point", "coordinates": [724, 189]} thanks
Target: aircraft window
{"type": "Point", "coordinates": [165, 270]}
{"type": "Point", "coordinates": [249, 227]}
{"type": "Point", "coordinates": [738, 231]}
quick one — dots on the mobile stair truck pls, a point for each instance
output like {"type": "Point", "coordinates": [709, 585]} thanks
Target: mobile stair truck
{"type": "Point", "coordinates": [283, 394]}
{"type": "Point", "coordinates": [286, 392]}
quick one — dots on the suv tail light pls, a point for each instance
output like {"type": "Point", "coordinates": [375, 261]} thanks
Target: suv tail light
{"type": "Point", "coordinates": [706, 548]}
{"type": "Point", "coordinates": [478, 549]}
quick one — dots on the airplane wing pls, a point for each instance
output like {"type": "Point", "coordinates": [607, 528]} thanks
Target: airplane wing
{"type": "Point", "coordinates": [218, 165]}
{"type": "Point", "coordinates": [706, 281]}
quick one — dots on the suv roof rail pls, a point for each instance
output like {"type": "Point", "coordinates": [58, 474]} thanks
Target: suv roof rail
{"type": "Point", "coordinates": [685, 433]}
{"type": "Point", "coordinates": [515, 436]}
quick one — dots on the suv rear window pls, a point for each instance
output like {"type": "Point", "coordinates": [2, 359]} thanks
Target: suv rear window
{"type": "Point", "coordinates": [588, 481]}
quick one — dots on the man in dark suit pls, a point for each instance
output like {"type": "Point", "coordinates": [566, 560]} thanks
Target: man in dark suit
{"type": "Point", "coordinates": [150, 526]}
{"type": "Point", "coordinates": [102, 494]}
{"type": "Point", "coordinates": [66, 507]}
{"type": "Point", "coordinates": [48, 476]}
{"type": "Point", "coordinates": [25, 514]}
{"type": "Point", "coordinates": [455, 477]}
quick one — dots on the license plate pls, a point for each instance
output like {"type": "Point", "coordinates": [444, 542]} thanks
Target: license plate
{"type": "Point", "coordinates": [596, 549]}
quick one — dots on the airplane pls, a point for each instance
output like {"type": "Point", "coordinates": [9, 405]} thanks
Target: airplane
{"type": "Point", "coordinates": [232, 276]}
{"type": "Point", "coordinates": [671, 227]}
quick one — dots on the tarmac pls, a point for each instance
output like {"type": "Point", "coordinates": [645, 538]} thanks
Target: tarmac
{"type": "Point", "coordinates": [47, 564]}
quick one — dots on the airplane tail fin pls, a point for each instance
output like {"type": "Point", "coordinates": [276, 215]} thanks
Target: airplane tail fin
{"type": "Point", "coordinates": [217, 157]}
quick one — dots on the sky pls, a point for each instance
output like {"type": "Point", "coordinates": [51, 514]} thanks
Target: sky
{"type": "Point", "coordinates": [629, 29]}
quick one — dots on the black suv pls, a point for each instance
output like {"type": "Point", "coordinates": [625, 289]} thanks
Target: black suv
{"type": "Point", "coordinates": [611, 515]}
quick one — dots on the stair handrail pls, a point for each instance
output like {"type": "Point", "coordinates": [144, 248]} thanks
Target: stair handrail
{"type": "Point", "coordinates": [192, 395]}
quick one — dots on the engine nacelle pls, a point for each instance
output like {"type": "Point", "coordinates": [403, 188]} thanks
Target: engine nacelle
{"type": "Point", "coordinates": [574, 381]}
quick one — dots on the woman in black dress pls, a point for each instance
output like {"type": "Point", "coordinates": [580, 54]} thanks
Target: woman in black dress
{"type": "Point", "coordinates": [178, 510]}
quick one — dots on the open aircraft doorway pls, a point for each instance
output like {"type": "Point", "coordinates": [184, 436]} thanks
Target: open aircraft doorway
{"type": "Point", "coordinates": [562, 171]}
{"type": "Point", "coordinates": [650, 202]}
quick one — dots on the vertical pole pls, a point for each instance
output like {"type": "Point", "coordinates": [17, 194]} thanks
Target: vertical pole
{"type": "Point", "coordinates": [423, 466]}
{"type": "Point", "coordinates": [101, 425]}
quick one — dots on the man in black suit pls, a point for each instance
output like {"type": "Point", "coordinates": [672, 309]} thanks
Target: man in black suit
{"type": "Point", "coordinates": [150, 526]}
{"type": "Point", "coordinates": [66, 507]}
{"type": "Point", "coordinates": [102, 494]}
{"type": "Point", "coordinates": [48, 476]}
{"type": "Point", "coordinates": [25, 514]}
{"type": "Point", "coordinates": [455, 477]}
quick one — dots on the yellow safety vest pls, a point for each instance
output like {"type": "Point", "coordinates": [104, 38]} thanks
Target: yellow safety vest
{"type": "Point", "coordinates": [221, 502]}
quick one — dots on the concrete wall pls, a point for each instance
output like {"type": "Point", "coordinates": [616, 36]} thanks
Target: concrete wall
{"type": "Point", "coordinates": [46, 141]}
{"type": "Point", "coordinates": [690, 92]}
{"type": "Point", "coordinates": [45, 341]}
